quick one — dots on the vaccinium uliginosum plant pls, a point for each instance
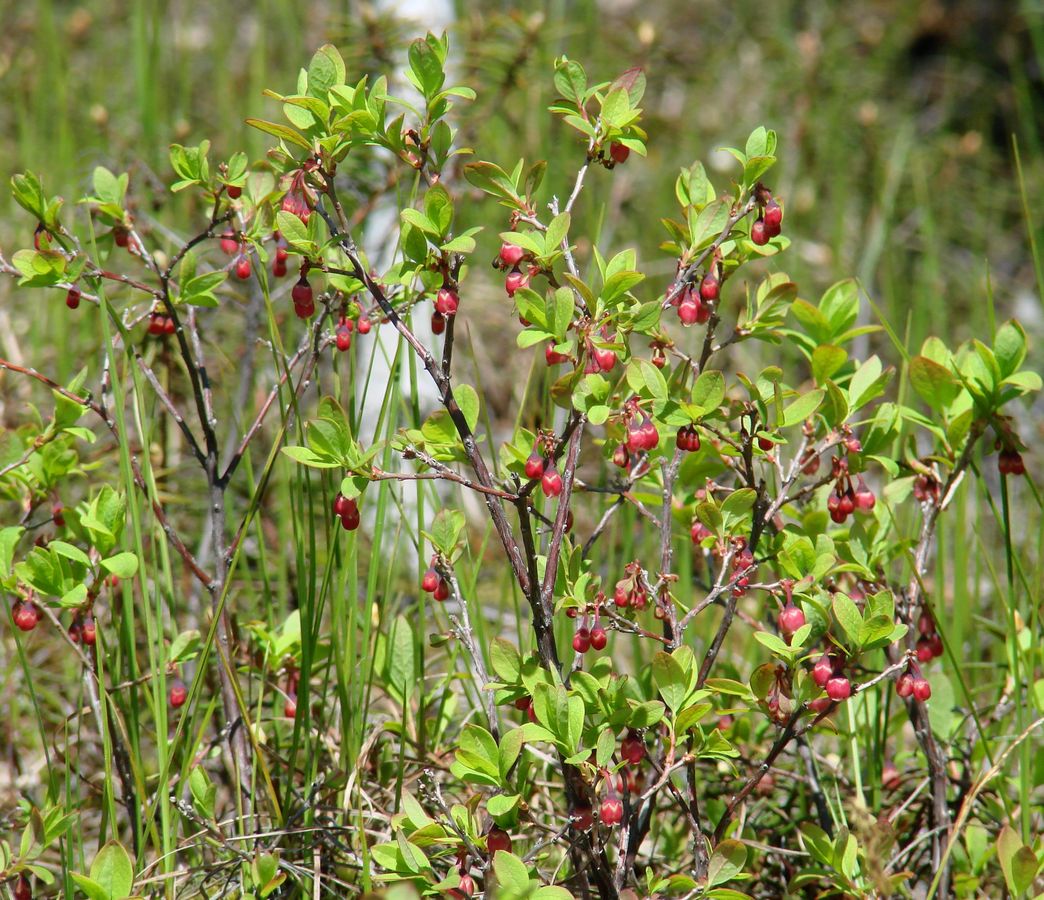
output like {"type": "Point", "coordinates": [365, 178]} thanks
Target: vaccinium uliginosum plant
{"type": "Point", "coordinates": [770, 502]}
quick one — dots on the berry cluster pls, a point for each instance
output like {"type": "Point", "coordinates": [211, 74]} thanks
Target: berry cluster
{"type": "Point", "coordinates": [540, 465]}
{"type": "Point", "coordinates": [160, 323]}
{"type": "Point", "coordinates": [630, 591]}
{"type": "Point", "coordinates": [83, 628]}
{"type": "Point", "coordinates": [929, 644]}
{"type": "Point", "coordinates": [913, 684]}
{"type": "Point", "coordinates": [847, 498]}
{"type": "Point", "coordinates": [347, 510]}
{"type": "Point", "coordinates": [688, 439]}
{"type": "Point", "coordinates": [590, 638]}
{"type": "Point", "coordinates": [433, 583]}
{"type": "Point", "coordinates": [828, 673]}
{"type": "Point", "coordinates": [769, 222]}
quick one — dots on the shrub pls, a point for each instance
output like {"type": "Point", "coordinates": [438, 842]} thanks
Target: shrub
{"type": "Point", "coordinates": [668, 498]}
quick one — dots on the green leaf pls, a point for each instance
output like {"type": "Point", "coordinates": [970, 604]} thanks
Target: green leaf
{"type": "Point", "coordinates": [512, 875]}
{"type": "Point", "coordinates": [402, 660]}
{"type": "Point", "coordinates": [468, 401]}
{"type": "Point", "coordinates": [671, 680]}
{"type": "Point", "coordinates": [571, 81]}
{"type": "Point", "coordinates": [420, 221]}
{"type": "Point", "coordinates": [1018, 861]}
{"type": "Point", "coordinates": [506, 660]}
{"type": "Point", "coordinates": [935, 384]}
{"type": "Point", "coordinates": [726, 862]}
{"type": "Point", "coordinates": [646, 380]}
{"type": "Point", "coordinates": [826, 360]}
{"type": "Point", "coordinates": [122, 565]}
{"type": "Point", "coordinates": [283, 132]}
{"type": "Point", "coordinates": [502, 805]}
{"type": "Point", "coordinates": [325, 70]}
{"type": "Point", "coordinates": [803, 407]}
{"type": "Point", "coordinates": [292, 228]}
{"type": "Point", "coordinates": [1009, 347]}
{"type": "Point", "coordinates": [848, 617]}
{"type": "Point", "coordinates": [113, 871]}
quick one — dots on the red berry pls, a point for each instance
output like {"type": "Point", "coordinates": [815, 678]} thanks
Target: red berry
{"type": "Point", "coordinates": [582, 640]}
{"type": "Point", "coordinates": [765, 444]}
{"type": "Point", "coordinates": [498, 839]}
{"type": "Point", "coordinates": [924, 650]}
{"type": "Point", "coordinates": [535, 465]}
{"type": "Point", "coordinates": [524, 702]}
{"type": "Point", "coordinates": [551, 483]}
{"type": "Point", "coordinates": [341, 505]}
{"type": "Point", "coordinates": [89, 631]}
{"type": "Point", "coordinates": [279, 269]}
{"type": "Point", "coordinates": [178, 693]}
{"type": "Point", "coordinates": [350, 517]}
{"type": "Point", "coordinates": [514, 281]}
{"type": "Point", "coordinates": [773, 218]}
{"type": "Point", "coordinates": [442, 590]}
{"type": "Point", "coordinates": [689, 310]}
{"type": "Point", "coordinates": [229, 244]}
{"type": "Point", "coordinates": [622, 594]}
{"type": "Point", "coordinates": [758, 234]}
{"type": "Point", "coordinates": [650, 436]}
{"type": "Point", "coordinates": [820, 704]}
{"type": "Point", "coordinates": [823, 670]}
{"type": "Point", "coordinates": [810, 464]}
{"type": "Point", "coordinates": [56, 514]}
{"type": "Point", "coordinates": [864, 497]}
{"type": "Point", "coordinates": [343, 338]}
{"type": "Point", "coordinates": [552, 357]}
{"type": "Point", "coordinates": [904, 686]}
{"type": "Point", "coordinates": [466, 888]}
{"type": "Point", "coordinates": [699, 532]}
{"type": "Point", "coordinates": [438, 322]}
{"type": "Point", "coordinates": [121, 235]}
{"type": "Point", "coordinates": [839, 688]}
{"type": "Point", "coordinates": [936, 645]}
{"type": "Point", "coordinates": [72, 298]}
{"type": "Point", "coordinates": [599, 638]}
{"type": "Point", "coordinates": [582, 817]}
{"type": "Point", "coordinates": [710, 288]}
{"type": "Point", "coordinates": [23, 889]}
{"type": "Point", "coordinates": [446, 302]}
{"type": "Point", "coordinates": [621, 457]}
{"type": "Point", "coordinates": [511, 254]}
{"type": "Point", "coordinates": [688, 439]}
{"type": "Point", "coordinates": [922, 690]}
{"type": "Point", "coordinates": [618, 153]}
{"type": "Point", "coordinates": [364, 325]}
{"type": "Point", "coordinates": [791, 618]}
{"type": "Point", "coordinates": [26, 615]}
{"type": "Point", "coordinates": [605, 359]}
{"type": "Point", "coordinates": [234, 191]}
{"type": "Point", "coordinates": [430, 581]}
{"type": "Point", "coordinates": [243, 268]}
{"type": "Point", "coordinates": [632, 747]}
{"type": "Point", "coordinates": [290, 706]}
{"type": "Point", "coordinates": [302, 294]}
{"type": "Point", "coordinates": [612, 811]}
{"type": "Point", "coordinates": [168, 325]}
